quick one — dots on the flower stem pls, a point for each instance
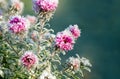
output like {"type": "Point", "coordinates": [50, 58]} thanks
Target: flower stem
{"type": "Point", "coordinates": [11, 46]}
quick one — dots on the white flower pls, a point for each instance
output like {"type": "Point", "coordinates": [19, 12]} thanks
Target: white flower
{"type": "Point", "coordinates": [17, 5]}
{"type": "Point", "coordinates": [46, 75]}
{"type": "Point", "coordinates": [86, 62]}
{"type": "Point", "coordinates": [74, 62]}
{"type": "Point", "coordinates": [32, 19]}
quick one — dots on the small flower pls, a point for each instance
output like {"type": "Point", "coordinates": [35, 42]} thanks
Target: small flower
{"type": "Point", "coordinates": [74, 63]}
{"type": "Point", "coordinates": [18, 24]}
{"type": "Point", "coordinates": [45, 5]}
{"type": "Point", "coordinates": [31, 19]}
{"type": "Point", "coordinates": [17, 5]}
{"type": "Point", "coordinates": [64, 40]}
{"type": "Point", "coordinates": [34, 35]}
{"type": "Point", "coordinates": [29, 59]}
{"type": "Point", "coordinates": [74, 30]}
{"type": "Point", "coordinates": [46, 75]}
{"type": "Point", "coordinates": [85, 62]}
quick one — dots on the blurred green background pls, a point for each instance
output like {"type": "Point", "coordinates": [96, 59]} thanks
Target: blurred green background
{"type": "Point", "coordinates": [99, 21]}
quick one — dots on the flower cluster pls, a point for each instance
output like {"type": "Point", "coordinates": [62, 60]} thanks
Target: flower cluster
{"type": "Point", "coordinates": [30, 50]}
{"type": "Point", "coordinates": [45, 5]}
{"type": "Point", "coordinates": [74, 63]}
{"type": "Point", "coordinates": [29, 59]}
{"type": "Point", "coordinates": [65, 40]}
{"type": "Point", "coordinates": [75, 31]}
{"type": "Point", "coordinates": [18, 24]}
{"type": "Point", "coordinates": [77, 63]}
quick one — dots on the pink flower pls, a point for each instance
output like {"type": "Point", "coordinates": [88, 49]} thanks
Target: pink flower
{"type": "Point", "coordinates": [74, 62]}
{"type": "Point", "coordinates": [45, 5]}
{"type": "Point", "coordinates": [75, 31]}
{"type": "Point", "coordinates": [64, 41]}
{"type": "Point", "coordinates": [17, 24]}
{"type": "Point", "coordinates": [29, 59]}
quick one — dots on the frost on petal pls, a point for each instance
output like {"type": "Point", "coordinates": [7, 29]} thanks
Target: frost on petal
{"type": "Point", "coordinates": [18, 24]}
{"type": "Point", "coordinates": [17, 5]}
{"type": "Point", "coordinates": [45, 5]}
{"type": "Point", "coordinates": [29, 59]}
{"type": "Point", "coordinates": [75, 31]}
{"type": "Point", "coordinates": [85, 62]}
{"type": "Point", "coordinates": [31, 19]}
{"type": "Point", "coordinates": [74, 63]}
{"type": "Point", "coordinates": [64, 41]}
{"type": "Point", "coordinates": [46, 75]}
